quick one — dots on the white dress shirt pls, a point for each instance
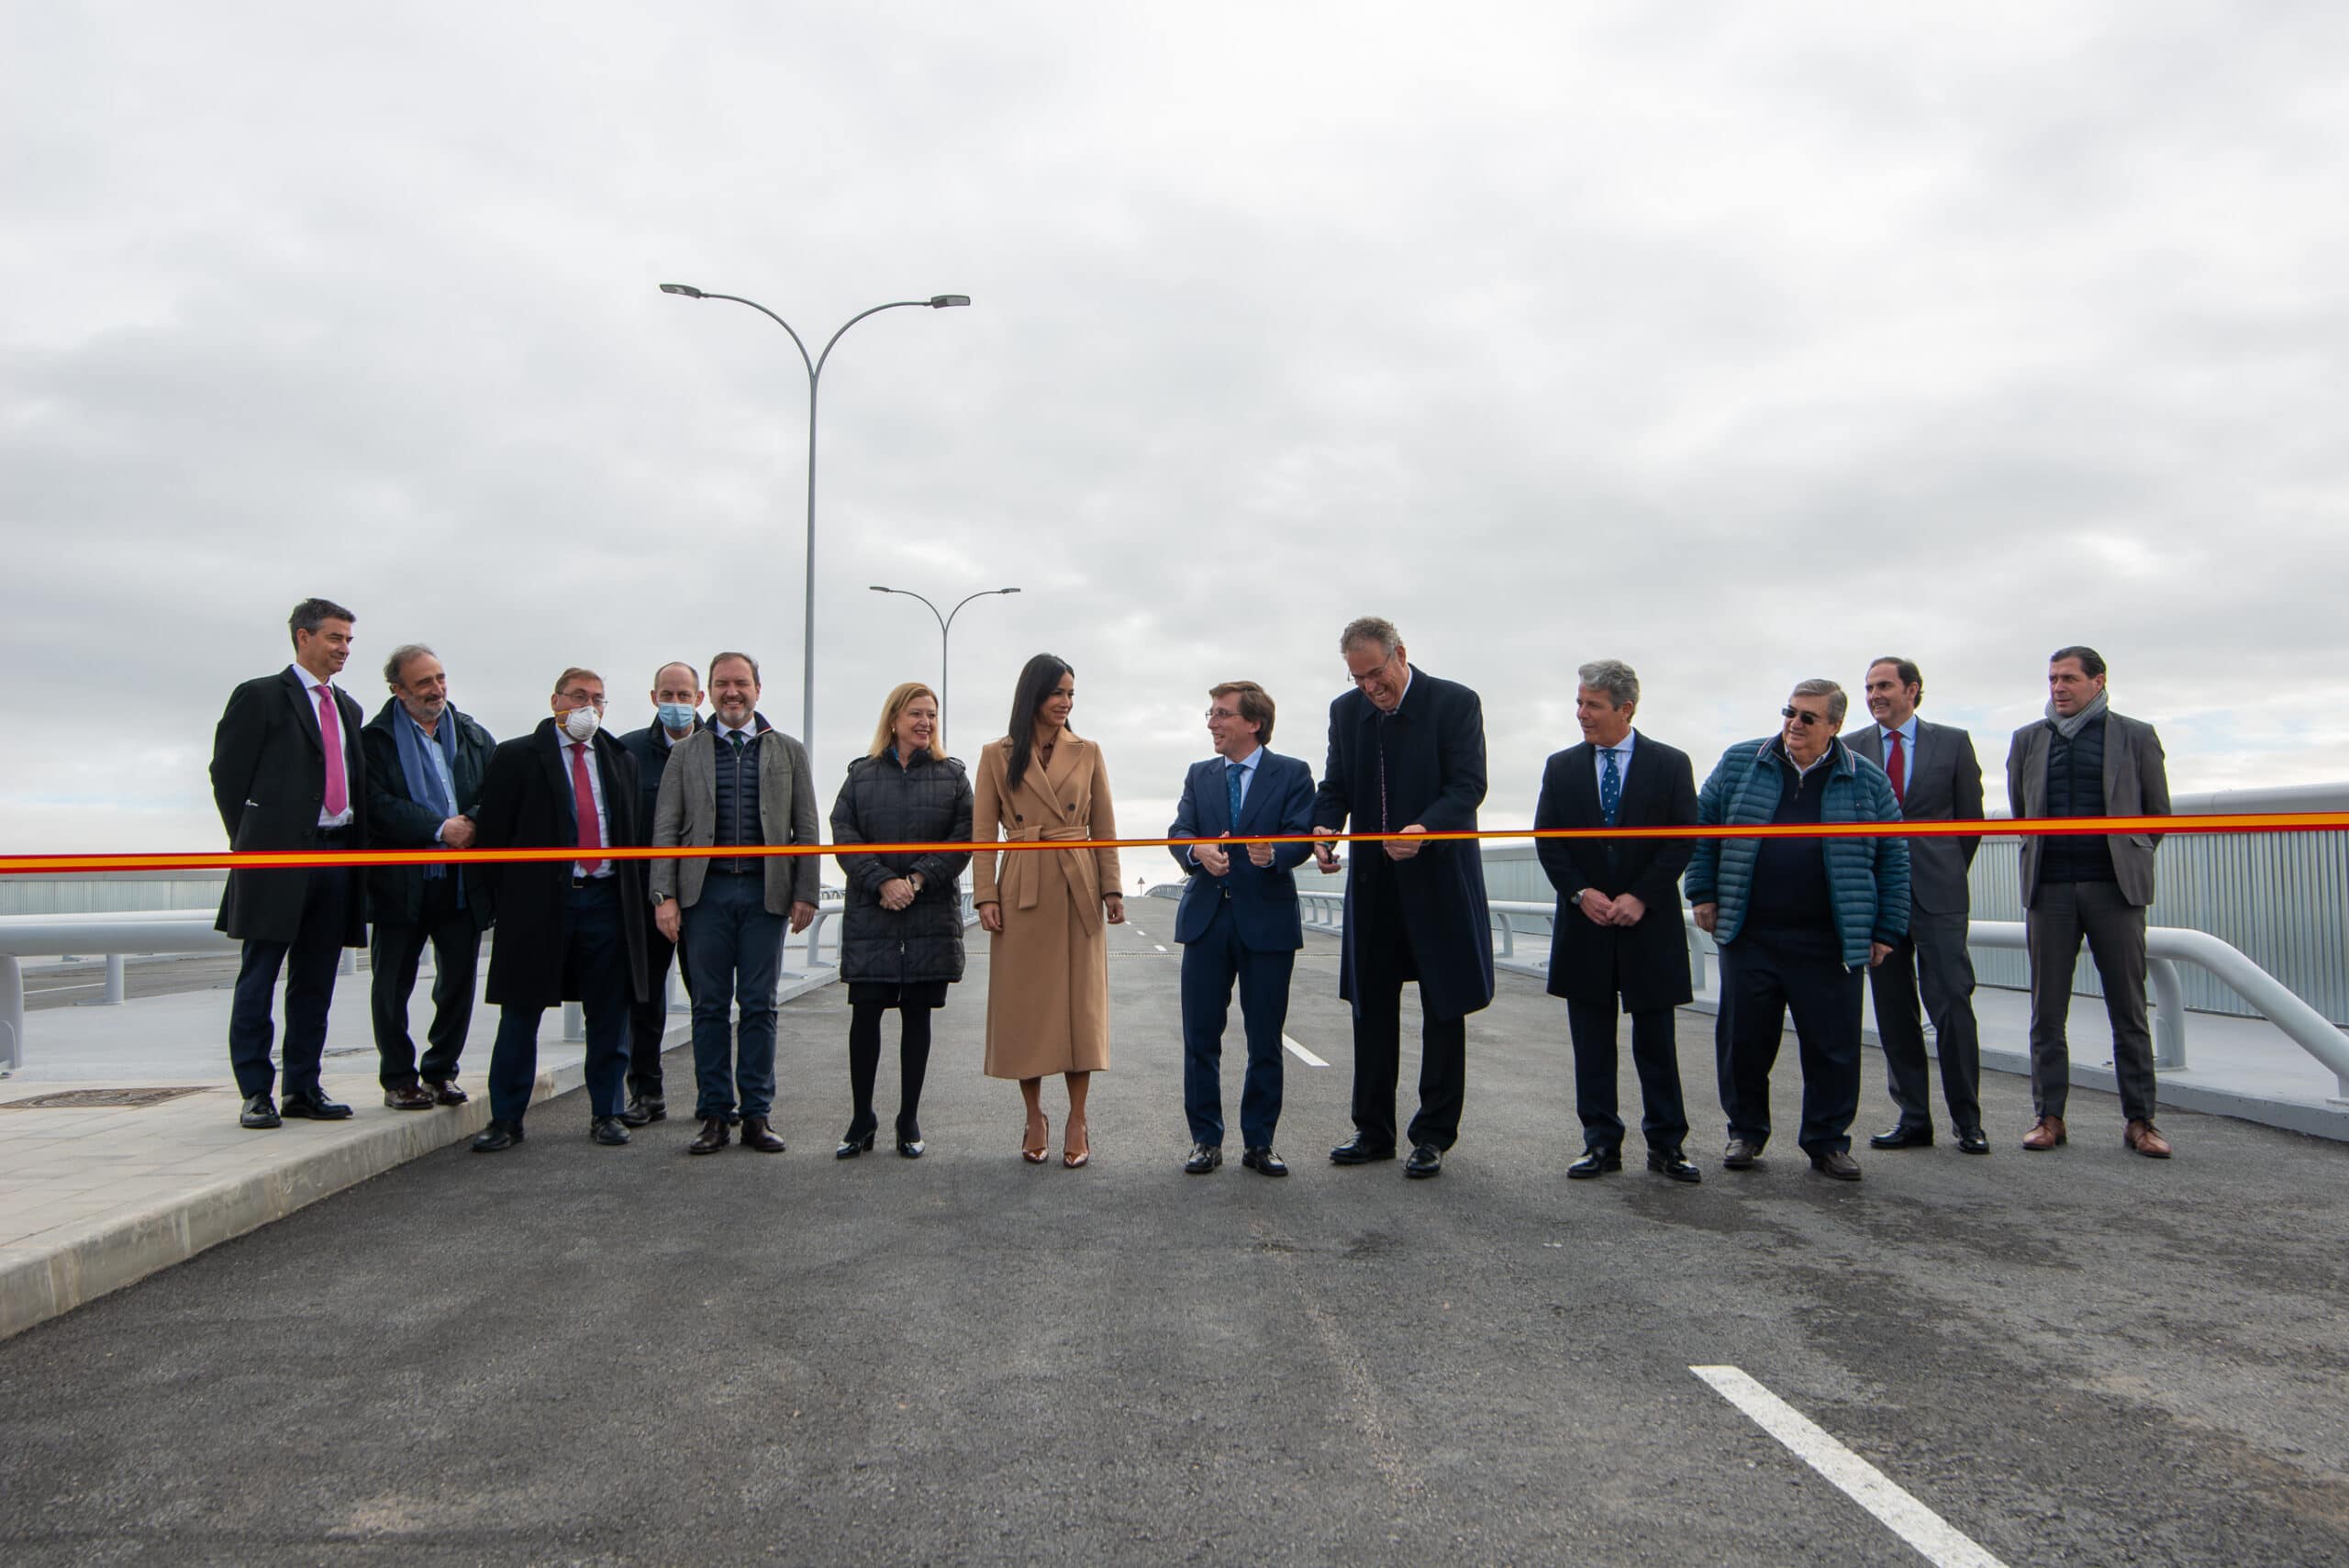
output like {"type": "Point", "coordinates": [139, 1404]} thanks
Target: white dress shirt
{"type": "Point", "coordinates": [349, 812]}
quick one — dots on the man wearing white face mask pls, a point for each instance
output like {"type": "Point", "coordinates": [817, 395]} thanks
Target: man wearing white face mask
{"type": "Point", "coordinates": [676, 714]}
{"type": "Point", "coordinates": [569, 930]}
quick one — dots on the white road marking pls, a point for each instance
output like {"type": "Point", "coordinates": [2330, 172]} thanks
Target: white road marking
{"type": "Point", "coordinates": [1139, 932]}
{"type": "Point", "coordinates": [1159, 946]}
{"type": "Point", "coordinates": [1301, 1054]}
{"type": "Point", "coordinates": [1934, 1537]}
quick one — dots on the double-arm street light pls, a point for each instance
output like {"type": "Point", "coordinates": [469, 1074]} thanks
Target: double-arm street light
{"type": "Point", "coordinates": [945, 626]}
{"type": "Point", "coordinates": [814, 364]}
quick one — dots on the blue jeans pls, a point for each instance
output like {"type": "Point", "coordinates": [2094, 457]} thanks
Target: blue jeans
{"type": "Point", "coordinates": [731, 942]}
{"type": "Point", "coordinates": [596, 958]}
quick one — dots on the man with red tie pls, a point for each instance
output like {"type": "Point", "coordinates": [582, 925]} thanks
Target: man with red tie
{"type": "Point", "coordinates": [288, 772]}
{"type": "Point", "coordinates": [567, 930]}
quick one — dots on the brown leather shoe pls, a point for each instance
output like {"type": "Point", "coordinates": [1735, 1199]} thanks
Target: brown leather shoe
{"type": "Point", "coordinates": [2045, 1134]}
{"type": "Point", "coordinates": [446, 1093]}
{"type": "Point", "coordinates": [758, 1135]}
{"type": "Point", "coordinates": [409, 1097]}
{"type": "Point", "coordinates": [2146, 1138]}
{"type": "Point", "coordinates": [714, 1137]}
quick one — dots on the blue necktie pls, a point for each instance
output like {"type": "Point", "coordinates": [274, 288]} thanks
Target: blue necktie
{"type": "Point", "coordinates": [1231, 771]}
{"type": "Point", "coordinates": [1610, 786]}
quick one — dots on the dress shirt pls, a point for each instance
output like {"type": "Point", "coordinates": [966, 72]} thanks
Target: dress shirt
{"type": "Point", "coordinates": [1623, 749]}
{"type": "Point", "coordinates": [1908, 733]}
{"type": "Point", "coordinates": [350, 813]}
{"type": "Point", "coordinates": [595, 783]}
{"type": "Point", "coordinates": [1247, 766]}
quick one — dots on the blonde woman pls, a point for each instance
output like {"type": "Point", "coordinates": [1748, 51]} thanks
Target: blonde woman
{"type": "Point", "coordinates": [901, 937]}
{"type": "Point", "coordinates": [1048, 975]}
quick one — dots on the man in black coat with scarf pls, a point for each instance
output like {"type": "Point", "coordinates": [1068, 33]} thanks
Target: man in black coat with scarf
{"type": "Point", "coordinates": [425, 765]}
{"type": "Point", "coordinates": [1407, 755]}
{"type": "Point", "coordinates": [1618, 936]}
{"type": "Point", "coordinates": [568, 929]}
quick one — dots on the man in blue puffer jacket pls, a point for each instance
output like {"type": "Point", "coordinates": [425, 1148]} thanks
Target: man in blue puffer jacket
{"type": "Point", "coordinates": [1799, 921]}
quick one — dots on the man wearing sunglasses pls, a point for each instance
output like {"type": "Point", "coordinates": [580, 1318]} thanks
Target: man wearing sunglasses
{"type": "Point", "coordinates": [1800, 920]}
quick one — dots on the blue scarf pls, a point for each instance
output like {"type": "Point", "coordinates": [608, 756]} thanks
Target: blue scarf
{"type": "Point", "coordinates": [424, 785]}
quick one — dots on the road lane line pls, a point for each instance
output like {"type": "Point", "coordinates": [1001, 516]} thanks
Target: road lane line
{"type": "Point", "coordinates": [1159, 946]}
{"type": "Point", "coordinates": [1934, 1537]}
{"type": "Point", "coordinates": [1301, 1054]}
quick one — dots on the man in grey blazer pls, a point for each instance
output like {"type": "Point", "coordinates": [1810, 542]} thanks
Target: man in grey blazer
{"type": "Point", "coordinates": [2084, 760]}
{"type": "Point", "coordinates": [1935, 776]}
{"type": "Point", "coordinates": [737, 783]}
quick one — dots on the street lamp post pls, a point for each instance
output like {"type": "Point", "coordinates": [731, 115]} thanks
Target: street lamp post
{"type": "Point", "coordinates": [945, 626]}
{"type": "Point", "coordinates": [815, 376]}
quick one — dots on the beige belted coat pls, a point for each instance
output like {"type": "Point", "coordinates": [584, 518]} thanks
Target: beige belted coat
{"type": "Point", "coordinates": [1048, 969]}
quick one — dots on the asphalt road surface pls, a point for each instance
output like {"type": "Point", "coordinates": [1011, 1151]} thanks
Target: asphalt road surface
{"type": "Point", "coordinates": [572, 1355]}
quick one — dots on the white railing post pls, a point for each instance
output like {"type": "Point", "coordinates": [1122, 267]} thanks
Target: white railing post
{"type": "Point", "coordinates": [114, 997]}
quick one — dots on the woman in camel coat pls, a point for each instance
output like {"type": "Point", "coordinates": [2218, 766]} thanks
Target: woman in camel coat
{"type": "Point", "coordinates": [1046, 911]}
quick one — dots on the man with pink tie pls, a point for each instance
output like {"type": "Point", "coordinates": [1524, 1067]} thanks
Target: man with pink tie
{"type": "Point", "coordinates": [288, 772]}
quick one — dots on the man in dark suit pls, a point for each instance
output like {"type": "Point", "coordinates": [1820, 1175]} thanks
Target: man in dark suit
{"type": "Point", "coordinates": [1618, 936]}
{"type": "Point", "coordinates": [288, 772]}
{"type": "Point", "coordinates": [425, 765]}
{"type": "Point", "coordinates": [1935, 778]}
{"type": "Point", "coordinates": [1239, 919]}
{"type": "Point", "coordinates": [676, 713]}
{"type": "Point", "coordinates": [567, 929]}
{"type": "Point", "coordinates": [2084, 760]}
{"type": "Point", "coordinates": [1406, 756]}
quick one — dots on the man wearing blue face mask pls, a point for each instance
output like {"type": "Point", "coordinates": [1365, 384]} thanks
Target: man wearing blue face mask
{"type": "Point", "coordinates": [676, 702]}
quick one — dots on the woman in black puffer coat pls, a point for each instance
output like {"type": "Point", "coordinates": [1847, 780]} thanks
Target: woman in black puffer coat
{"type": "Point", "coordinates": [901, 940]}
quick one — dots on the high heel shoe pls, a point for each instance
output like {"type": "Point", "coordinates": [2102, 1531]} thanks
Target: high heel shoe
{"type": "Point", "coordinates": [1077, 1159]}
{"type": "Point", "coordinates": [854, 1144]}
{"type": "Point", "coordinates": [1037, 1155]}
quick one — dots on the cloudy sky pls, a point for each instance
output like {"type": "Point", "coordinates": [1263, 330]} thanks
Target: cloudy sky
{"type": "Point", "coordinates": [1743, 342]}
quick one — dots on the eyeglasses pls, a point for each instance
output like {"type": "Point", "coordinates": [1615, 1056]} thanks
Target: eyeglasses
{"type": "Point", "coordinates": [581, 699]}
{"type": "Point", "coordinates": [1216, 713]}
{"type": "Point", "coordinates": [1802, 716]}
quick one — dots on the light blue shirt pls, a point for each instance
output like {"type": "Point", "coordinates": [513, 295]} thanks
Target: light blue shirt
{"type": "Point", "coordinates": [1247, 766]}
{"type": "Point", "coordinates": [1908, 733]}
{"type": "Point", "coordinates": [1623, 749]}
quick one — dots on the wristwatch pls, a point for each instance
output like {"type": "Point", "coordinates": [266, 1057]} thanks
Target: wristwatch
{"type": "Point", "coordinates": [1577, 898]}
{"type": "Point", "coordinates": [659, 899]}
{"type": "Point", "coordinates": [913, 880]}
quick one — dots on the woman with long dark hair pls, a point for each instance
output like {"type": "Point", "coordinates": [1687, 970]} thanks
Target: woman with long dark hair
{"type": "Point", "coordinates": [901, 937]}
{"type": "Point", "coordinates": [1046, 911]}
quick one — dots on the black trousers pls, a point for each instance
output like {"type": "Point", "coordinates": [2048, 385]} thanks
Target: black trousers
{"type": "Point", "coordinates": [1211, 966]}
{"type": "Point", "coordinates": [2115, 929]}
{"type": "Point", "coordinates": [309, 962]}
{"type": "Point", "coordinates": [394, 952]}
{"type": "Point", "coordinates": [1655, 1055]}
{"type": "Point", "coordinates": [1931, 959]}
{"type": "Point", "coordinates": [865, 1065]}
{"type": "Point", "coordinates": [1383, 962]}
{"type": "Point", "coordinates": [648, 1021]}
{"type": "Point", "coordinates": [1765, 974]}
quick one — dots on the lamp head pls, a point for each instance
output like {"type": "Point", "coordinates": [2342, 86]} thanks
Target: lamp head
{"type": "Point", "coordinates": [1007, 590]}
{"type": "Point", "coordinates": [686, 290]}
{"type": "Point", "coordinates": [940, 301]}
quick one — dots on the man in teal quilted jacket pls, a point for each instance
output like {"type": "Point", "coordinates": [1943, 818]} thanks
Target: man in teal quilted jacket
{"type": "Point", "coordinates": [1800, 920]}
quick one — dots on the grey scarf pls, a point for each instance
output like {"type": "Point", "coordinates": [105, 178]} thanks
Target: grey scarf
{"type": "Point", "coordinates": [2068, 727]}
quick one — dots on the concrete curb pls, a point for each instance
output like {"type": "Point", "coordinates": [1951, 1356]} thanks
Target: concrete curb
{"type": "Point", "coordinates": [132, 1246]}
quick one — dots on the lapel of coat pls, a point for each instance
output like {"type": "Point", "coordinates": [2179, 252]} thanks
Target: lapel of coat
{"type": "Point", "coordinates": [550, 760]}
{"type": "Point", "coordinates": [2120, 767]}
{"type": "Point", "coordinates": [1059, 774]}
{"type": "Point", "coordinates": [619, 804]}
{"type": "Point", "coordinates": [1252, 805]}
{"type": "Point", "coordinates": [1639, 783]}
{"type": "Point", "coordinates": [2034, 773]}
{"type": "Point", "coordinates": [299, 695]}
{"type": "Point", "coordinates": [1583, 809]}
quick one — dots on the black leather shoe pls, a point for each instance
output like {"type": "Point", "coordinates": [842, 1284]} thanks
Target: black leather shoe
{"type": "Point", "coordinates": [1834, 1162]}
{"type": "Point", "coordinates": [446, 1093]}
{"type": "Point", "coordinates": [850, 1146]}
{"type": "Point", "coordinates": [1595, 1162]}
{"type": "Point", "coordinates": [632, 1115]}
{"type": "Point", "coordinates": [1263, 1161]}
{"type": "Point", "coordinates": [1904, 1137]}
{"type": "Point", "coordinates": [409, 1097]}
{"type": "Point", "coordinates": [759, 1136]}
{"type": "Point", "coordinates": [313, 1104]}
{"type": "Point", "coordinates": [643, 1110]}
{"type": "Point", "coordinates": [1205, 1157]}
{"type": "Point", "coordinates": [1742, 1154]}
{"type": "Point", "coordinates": [1360, 1150]}
{"type": "Point", "coordinates": [1973, 1140]}
{"type": "Point", "coordinates": [608, 1131]}
{"type": "Point", "coordinates": [1426, 1161]}
{"type": "Point", "coordinates": [713, 1137]}
{"type": "Point", "coordinates": [1670, 1162]}
{"type": "Point", "coordinates": [497, 1135]}
{"type": "Point", "coordinates": [259, 1114]}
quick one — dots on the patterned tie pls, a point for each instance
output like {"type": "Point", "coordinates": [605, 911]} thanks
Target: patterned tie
{"type": "Point", "coordinates": [1895, 768]}
{"type": "Point", "coordinates": [583, 802]}
{"type": "Point", "coordinates": [1610, 786]}
{"type": "Point", "coordinates": [330, 737]}
{"type": "Point", "coordinates": [1231, 771]}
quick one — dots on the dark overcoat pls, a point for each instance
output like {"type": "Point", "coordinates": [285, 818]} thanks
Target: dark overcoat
{"type": "Point", "coordinates": [268, 779]}
{"type": "Point", "coordinates": [397, 820]}
{"type": "Point", "coordinates": [526, 804]}
{"type": "Point", "coordinates": [926, 801]}
{"type": "Point", "coordinates": [1646, 965]}
{"type": "Point", "coordinates": [1433, 774]}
